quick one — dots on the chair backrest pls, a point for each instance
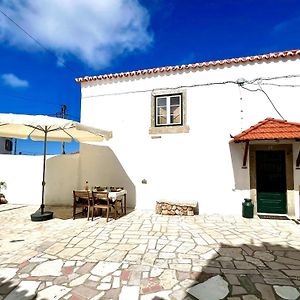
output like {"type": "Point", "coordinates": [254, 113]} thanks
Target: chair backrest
{"type": "Point", "coordinates": [101, 188]}
{"type": "Point", "coordinates": [81, 195]}
{"type": "Point", "coordinates": [100, 195]}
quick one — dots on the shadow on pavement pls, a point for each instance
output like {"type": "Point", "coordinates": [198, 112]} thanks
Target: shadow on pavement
{"type": "Point", "coordinates": [267, 271]}
{"type": "Point", "coordinates": [12, 290]}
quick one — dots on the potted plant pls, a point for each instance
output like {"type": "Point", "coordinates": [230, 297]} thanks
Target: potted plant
{"type": "Point", "coordinates": [3, 186]}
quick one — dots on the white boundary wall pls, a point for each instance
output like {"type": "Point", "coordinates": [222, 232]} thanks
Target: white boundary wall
{"type": "Point", "coordinates": [23, 175]}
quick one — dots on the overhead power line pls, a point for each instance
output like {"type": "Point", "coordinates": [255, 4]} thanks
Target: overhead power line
{"type": "Point", "coordinates": [37, 42]}
{"type": "Point", "coordinates": [252, 81]}
{"type": "Point", "coordinates": [256, 81]}
{"type": "Point", "coordinates": [280, 85]}
{"type": "Point", "coordinates": [261, 90]}
{"type": "Point", "coordinates": [276, 77]}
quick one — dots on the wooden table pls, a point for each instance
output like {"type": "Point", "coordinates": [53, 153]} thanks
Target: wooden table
{"type": "Point", "coordinates": [113, 196]}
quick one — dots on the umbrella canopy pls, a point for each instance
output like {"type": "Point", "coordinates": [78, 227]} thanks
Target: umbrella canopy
{"type": "Point", "coordinates": [60, 130]}
{"type": "Point", "coordinates": [45, 128]}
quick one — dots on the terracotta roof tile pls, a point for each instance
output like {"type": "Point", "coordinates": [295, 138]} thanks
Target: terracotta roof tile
{"type": "Point", "coordinates": [200, 65]}
{"type": "Point", "coordinates": [270, 129]}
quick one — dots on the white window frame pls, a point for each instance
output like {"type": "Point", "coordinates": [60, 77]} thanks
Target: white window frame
{"type": "Point", "coordinates": [168, 107]}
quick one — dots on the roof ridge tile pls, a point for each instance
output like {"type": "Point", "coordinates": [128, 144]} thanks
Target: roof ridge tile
{"type": "Point", "coordinates": [198, 65]}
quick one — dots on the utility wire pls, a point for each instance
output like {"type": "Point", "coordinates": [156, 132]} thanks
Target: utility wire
{"type": "Point", "coordinates": [271, 101]}
{"type": "Point", "coordinates": [252, 81]}
{"type": "Point", "coordinates": [261, 90]}
{"type": "Point", "coordinates": [257, 81]}
{"type": "Point", "coordinates": [250, 90]}
{"type": "Point", "coordinates": [37, 42]}
{"type": "Point", "coordinates": [162, 89]}
{"type": "Point", "coordinates": [276, 77]}
{"type": "Point", "coordinates": [280, 85]}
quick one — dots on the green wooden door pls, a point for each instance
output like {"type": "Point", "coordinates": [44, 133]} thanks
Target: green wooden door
{"type": "Point", "coordinates": [271, 182]}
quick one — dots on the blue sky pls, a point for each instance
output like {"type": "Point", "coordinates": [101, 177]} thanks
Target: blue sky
{"type": "Point", "coordinates": [91, 37]}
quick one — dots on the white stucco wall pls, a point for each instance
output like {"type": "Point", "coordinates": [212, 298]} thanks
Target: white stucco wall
{"type": "Point", "coordinates": [199, 165]}
{"type": "Point", "coordinates": [62, 178]}
{"type": "Point", "coordinates": [23, 175]}
{"type": "Point", "coordinates": [100, 166]}
{"type": "Point", "coordinates": [296, 149]}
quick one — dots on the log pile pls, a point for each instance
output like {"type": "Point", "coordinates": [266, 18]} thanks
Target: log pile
{"type": "Point", "coordinates": [174, 208]}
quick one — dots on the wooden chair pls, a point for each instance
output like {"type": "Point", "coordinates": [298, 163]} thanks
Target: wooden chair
{"type": "Point", "coordinates": [101, 200]}
{"type": "Point", "coordinates": [83, 200]}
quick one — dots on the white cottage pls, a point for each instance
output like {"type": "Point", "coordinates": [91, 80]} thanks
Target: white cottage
{"type": "Point", "coordinates": [173, 130]}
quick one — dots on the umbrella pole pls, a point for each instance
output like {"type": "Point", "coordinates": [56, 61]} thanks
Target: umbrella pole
{"type": "Point", "coordinates": [44, 171]}
{"type": "Point", "coordinates": [43, 215]}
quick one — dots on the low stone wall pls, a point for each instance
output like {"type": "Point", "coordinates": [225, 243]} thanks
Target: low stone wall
{"type": "Point", "coordinates": [176, 208]}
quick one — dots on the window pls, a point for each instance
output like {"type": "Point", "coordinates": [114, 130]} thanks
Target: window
{"type": "Point", "coordinates": [168, 110]}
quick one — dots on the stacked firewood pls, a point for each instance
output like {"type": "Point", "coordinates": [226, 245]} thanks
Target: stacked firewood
{"type": "Point", "coordinates": [163, 208]}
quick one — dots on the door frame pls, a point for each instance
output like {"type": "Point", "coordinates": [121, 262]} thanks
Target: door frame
{"type": "Point", "coordinates": [288, 150]}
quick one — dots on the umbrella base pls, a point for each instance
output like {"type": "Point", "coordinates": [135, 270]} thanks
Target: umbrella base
{"type": "Point", "coordinates": [38, 216]}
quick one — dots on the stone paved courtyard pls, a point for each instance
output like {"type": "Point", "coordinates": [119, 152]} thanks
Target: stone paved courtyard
{"type": "Point", "coordinates": [146, 256]}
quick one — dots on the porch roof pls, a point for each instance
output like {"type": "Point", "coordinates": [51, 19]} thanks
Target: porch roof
{"type": "Point", "coordinates": [269, 129]}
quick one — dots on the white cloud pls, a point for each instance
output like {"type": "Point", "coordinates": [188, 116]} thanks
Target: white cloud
{"type": "Point", "coordinates": [95, 31]}
{"type": "Point", "coordinates": [287, 25]}
{"type": "Point", "coordinates": [285, 34]}
{"type": "Point", "coordinates": [14, 81]}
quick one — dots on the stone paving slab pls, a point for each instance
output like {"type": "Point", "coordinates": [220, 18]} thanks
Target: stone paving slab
{"type": "Point", "coordinates": [147, 256]}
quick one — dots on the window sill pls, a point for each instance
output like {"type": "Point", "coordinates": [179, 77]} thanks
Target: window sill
{"type": "Point", "coordinates": [169, 129]}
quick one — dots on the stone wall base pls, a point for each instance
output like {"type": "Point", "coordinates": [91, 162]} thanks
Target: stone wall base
{"type": "Point", "coordinates": [165, 208]}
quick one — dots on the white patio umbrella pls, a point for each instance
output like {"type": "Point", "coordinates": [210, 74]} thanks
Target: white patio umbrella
{"type": "Point", "coordinates": [45, 128]}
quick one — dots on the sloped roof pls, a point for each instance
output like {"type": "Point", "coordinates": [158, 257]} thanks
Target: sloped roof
{"type": "Point", "coordinates": [200, 65]}
{"type": "Point", "coordinates": [270, 129]}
